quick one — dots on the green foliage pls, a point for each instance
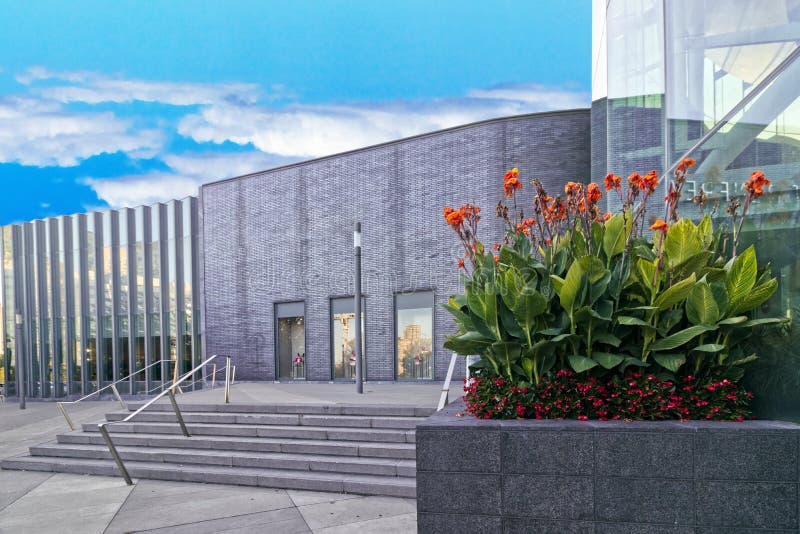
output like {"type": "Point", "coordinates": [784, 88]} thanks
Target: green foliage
{"type": "Point", "coordinates": [603, 302]}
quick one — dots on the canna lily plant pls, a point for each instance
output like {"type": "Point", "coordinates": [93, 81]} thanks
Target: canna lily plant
{"type": "Point", "coordinates": [602, 295]}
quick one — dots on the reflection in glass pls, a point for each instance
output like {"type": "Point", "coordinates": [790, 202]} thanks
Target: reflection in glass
{"type": "Point", "coordinates": [291, 348]}
{"type": "Point", "coordinates": [414, 343]}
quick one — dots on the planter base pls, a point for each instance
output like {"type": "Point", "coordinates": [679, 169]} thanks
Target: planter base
{"type": "Point", "coordinates": [566, 476]}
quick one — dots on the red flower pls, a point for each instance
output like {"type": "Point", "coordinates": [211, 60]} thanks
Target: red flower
{"type": "Point", "coordinates": [460, 263]}
{"type": "Point", "coordinates": [685, 164]}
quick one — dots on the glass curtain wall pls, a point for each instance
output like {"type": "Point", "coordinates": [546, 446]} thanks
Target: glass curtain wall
{"type": "Point", "coordinates": [717, 80]}
{"type": "Point", "coordinates": [343, 339]}
{"type": "Point", "coordinates": [96, 292]}
{"type": "Point", "coordinates": [290, 340]}
{"type": "Point", "coordinates": [414, 335]}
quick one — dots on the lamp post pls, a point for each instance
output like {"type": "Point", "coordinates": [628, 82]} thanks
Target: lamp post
{"type": "Point", "coordinates": [20, 363]}
{"type": "Point", "coordinates": [357, 245]}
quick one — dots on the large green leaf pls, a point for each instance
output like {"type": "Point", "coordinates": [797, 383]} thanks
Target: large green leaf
{"type": "Point", "coordinates": [701, 308]}
{"type": "Point", "coordinates": [709, 347]}
{"type": "Point", "coordinates": [741, 277]}
{"type": "Point", "coordinates": [672, 362]}
{"type": "Point", "coordinates": [765, 321]}
{"type": "Point", "coordinates": [614, 238]}
{"type": "Point", "coordinates": [469, 344]}
{"type": "Point", "coordinates": [647, 274]}
{"type": "Point", "coordinates": [757, 296]}
{"type": "Point", "coordinates": [675, 293]}
{"type": "Point", "coordinates": [571, 287]}
{"type": "Point", "coordinates": [510, 283]}
{"type": "Point", "coordinates": [530, 305]}
{"type": "Point", "coordinates": [607, 338]}
{"type": "Point", "coordinates": [680, 338]}
{"type": "Point", "coordinates": [706, 230]}
{"type": "Point", "coordinates": [593, 267]}
{"type": "Point", "coordinates": [607, 360]}
{"type": "Point", "coordinates": [506, 354]}
{"type": "Point", "coordinates": [581, 363]}
{"type": "Point", "coordinates": [619, 275]}
{"type": "Point", "coordinates": [739, 319]}
{"type": "Point", "coordinates": [683, 241]}
{"type": "Point", "coordinates": [631, 321]}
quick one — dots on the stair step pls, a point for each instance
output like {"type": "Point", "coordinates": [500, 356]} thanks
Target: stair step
{"type": "Point", "coordinates": [243, 476]}
{"type": "Point", "coordinates": [377, 410]}
{"type": "Point", "coordinates": [191, 415]}
{"type": "Point", "coordinates": [294, 461]}
{"type": "Point", "coordinates": [405, 451]}
{"type": "Point", "coordinates": [267, 431]}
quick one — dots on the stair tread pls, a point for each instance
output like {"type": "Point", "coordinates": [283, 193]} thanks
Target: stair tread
{"type": "Point", "coordinates": [266, 427]}
{"type": "Point", "coordinates": [186, 410]}
{"type": "Point", "coordinates": [250, 439]}
{"type": "Point", "coordinates": [51, 445]}
{"type": "Point", "coordinates": [134, 465]}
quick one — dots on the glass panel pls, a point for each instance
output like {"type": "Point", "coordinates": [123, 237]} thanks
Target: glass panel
{"type": "Point", "coordinates": [9, 310]}
{"type": "Point", "coordinates": [343, 329]}
{"type": "Point", "coordinates": [91, 317]}
{"type": "Point", "coordinates": [765, 135]}
{"type": "Point", "coordinates": [108, 299]}
{"type": "Point", "coordinates": [414, 347]}
{"type": "Point", "coordinates": [78, 287]}
{"type": "Point", "coordinates": [291, 341]}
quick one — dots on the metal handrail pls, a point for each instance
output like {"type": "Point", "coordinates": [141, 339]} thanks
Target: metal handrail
{"type": "Point", "coordinates": [171, 392]}
{"type": "Point", "coordinates": [112, 385]}
{"type": "Point", "coordinates": [443, 399]}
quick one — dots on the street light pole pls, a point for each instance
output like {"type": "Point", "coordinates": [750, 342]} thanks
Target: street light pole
{"type": "Point", "coordinates": [357, 245]}
{"type": "Point", "coordinates": [20, 363]}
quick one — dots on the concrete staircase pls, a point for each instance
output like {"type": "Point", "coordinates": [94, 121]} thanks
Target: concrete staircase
{"type": "Point", "coordinates": [364, 449]}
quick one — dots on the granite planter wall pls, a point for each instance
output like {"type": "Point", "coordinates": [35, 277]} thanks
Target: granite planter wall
{"type": "Point", "coordinates": [605, 477]}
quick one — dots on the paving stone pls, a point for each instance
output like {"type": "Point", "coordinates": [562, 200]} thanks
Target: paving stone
{"type": "Point", "coordinates": [439, 523]}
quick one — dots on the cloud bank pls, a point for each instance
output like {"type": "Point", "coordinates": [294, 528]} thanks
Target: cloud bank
{"type": "Point", "coordinates": [55, 122]}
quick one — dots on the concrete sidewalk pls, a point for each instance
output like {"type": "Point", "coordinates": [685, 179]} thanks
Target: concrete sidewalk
{"type": "Point", "coordinates": [46, 502]}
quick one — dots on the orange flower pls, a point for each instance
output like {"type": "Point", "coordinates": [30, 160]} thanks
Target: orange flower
{"type": "Point", "coordinates": [572, 188]}
{"type": "Point", "coordinates": [685, 164]}
{"type": "Point", "coordinates": [453, 217]}
{"type": "Point", "coordinates": [460, 263]}
{"type": "Point", "coordinates": [524, 226]}
{"type": "Point", "coordinates": [634, 181]}
{"type": "Point", "coordinates": [650, 181]}
{"type": "Point", "coordinates": [612, 181]}
{"type": "Point", "coordinates": [755, 185]}
{"type": "Point", "coordinates": [496, 246]}
{"type": "Point", "coordinates": [674, 195]}
{"type": "Point", "coordinates": [607, 216]}
{"type": "Point", "coordinates": [513, 173]}
{"type": "Point", "coordinates": [497, 259]}
{"type": "Point", "coordinates": [593, 193]}
{"type": "Point", "coordinates": [660, 226]}
{"type": "Point", "coordinates": [511, 185]}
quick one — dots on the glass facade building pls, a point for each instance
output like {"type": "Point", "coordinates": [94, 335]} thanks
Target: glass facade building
{"type": "Point", "coordinates": [91, 298]}
{"type": "Point", "coordinates": [719, 81]}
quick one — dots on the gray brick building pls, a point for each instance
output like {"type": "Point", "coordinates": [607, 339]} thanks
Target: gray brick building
{"type": "Point", "coordinates": [285, 236]}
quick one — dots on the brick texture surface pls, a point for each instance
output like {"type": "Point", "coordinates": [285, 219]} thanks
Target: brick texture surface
{"type": "Point", "coordinates": [286, 234]}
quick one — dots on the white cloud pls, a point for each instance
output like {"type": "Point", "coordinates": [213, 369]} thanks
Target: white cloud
{"type": "Point", "coordinates": [189, 172]}
{"type": "Point", "coordinates": [42, 133]}
{"type": "Point", "coordinates": [95, 88]}
{"type": "Point", "coordinates": [318, 130]}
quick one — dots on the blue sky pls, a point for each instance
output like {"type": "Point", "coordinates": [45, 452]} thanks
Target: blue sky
{"type": "Point", "coordinates": [127, 103]}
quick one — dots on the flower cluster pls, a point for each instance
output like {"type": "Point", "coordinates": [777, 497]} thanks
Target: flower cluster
{"type": "Point", "coordinates": [511, 182]}
{"type": "Point", "coordinates": [565, 395]}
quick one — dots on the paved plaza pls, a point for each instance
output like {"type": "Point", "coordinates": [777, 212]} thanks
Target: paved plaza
{"type": "Point", "coordinates": [55, 502]}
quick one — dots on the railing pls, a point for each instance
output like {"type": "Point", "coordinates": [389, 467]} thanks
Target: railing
{"type": "Point", "coordinates": [171, 392]}
{"type": "Point", "coordinates": [112, 386]}
{"type": "Point", "coordinates": [444, 398]}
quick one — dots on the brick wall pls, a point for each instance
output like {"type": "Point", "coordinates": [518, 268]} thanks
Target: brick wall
{"type": "Point", "coordinates": [286, 234]}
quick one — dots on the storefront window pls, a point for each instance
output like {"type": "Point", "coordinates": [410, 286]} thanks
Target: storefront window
{"type": "Point", "coordinates": [414, 335]}
{"type": "Point", "coordinates": [344, 338]}
{"type": "Point", "coordinates": [290, 339]}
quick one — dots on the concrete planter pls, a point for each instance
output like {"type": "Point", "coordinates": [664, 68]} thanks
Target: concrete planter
{"type": "Point", "coordinates": [605, 477]}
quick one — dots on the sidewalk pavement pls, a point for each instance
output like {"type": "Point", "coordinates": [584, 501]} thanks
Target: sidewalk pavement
{"type": "Point", "coordinates": [33, 502]}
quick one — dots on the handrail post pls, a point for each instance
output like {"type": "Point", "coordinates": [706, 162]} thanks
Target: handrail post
{"type": "Point", "coordinates": [178, 413]}
{"type": "Point", "coordinates": [119, 398]}
{"type": "Point", "coordinates": [227, 379]}
{"type": "Point", "coordinates": [233, 375]}
{"type": "Point", "coordinates": [443, 399]}
{"type": "Point", "coordinates": [64, 413]}
{"type": "Point", "coordinates": [115, 454]}
{"type": "Point", "coordinates": [213, 376]}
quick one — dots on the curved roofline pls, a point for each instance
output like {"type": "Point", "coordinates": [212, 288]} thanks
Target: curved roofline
{"type": "Point", "coordinates": [402, 140]}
